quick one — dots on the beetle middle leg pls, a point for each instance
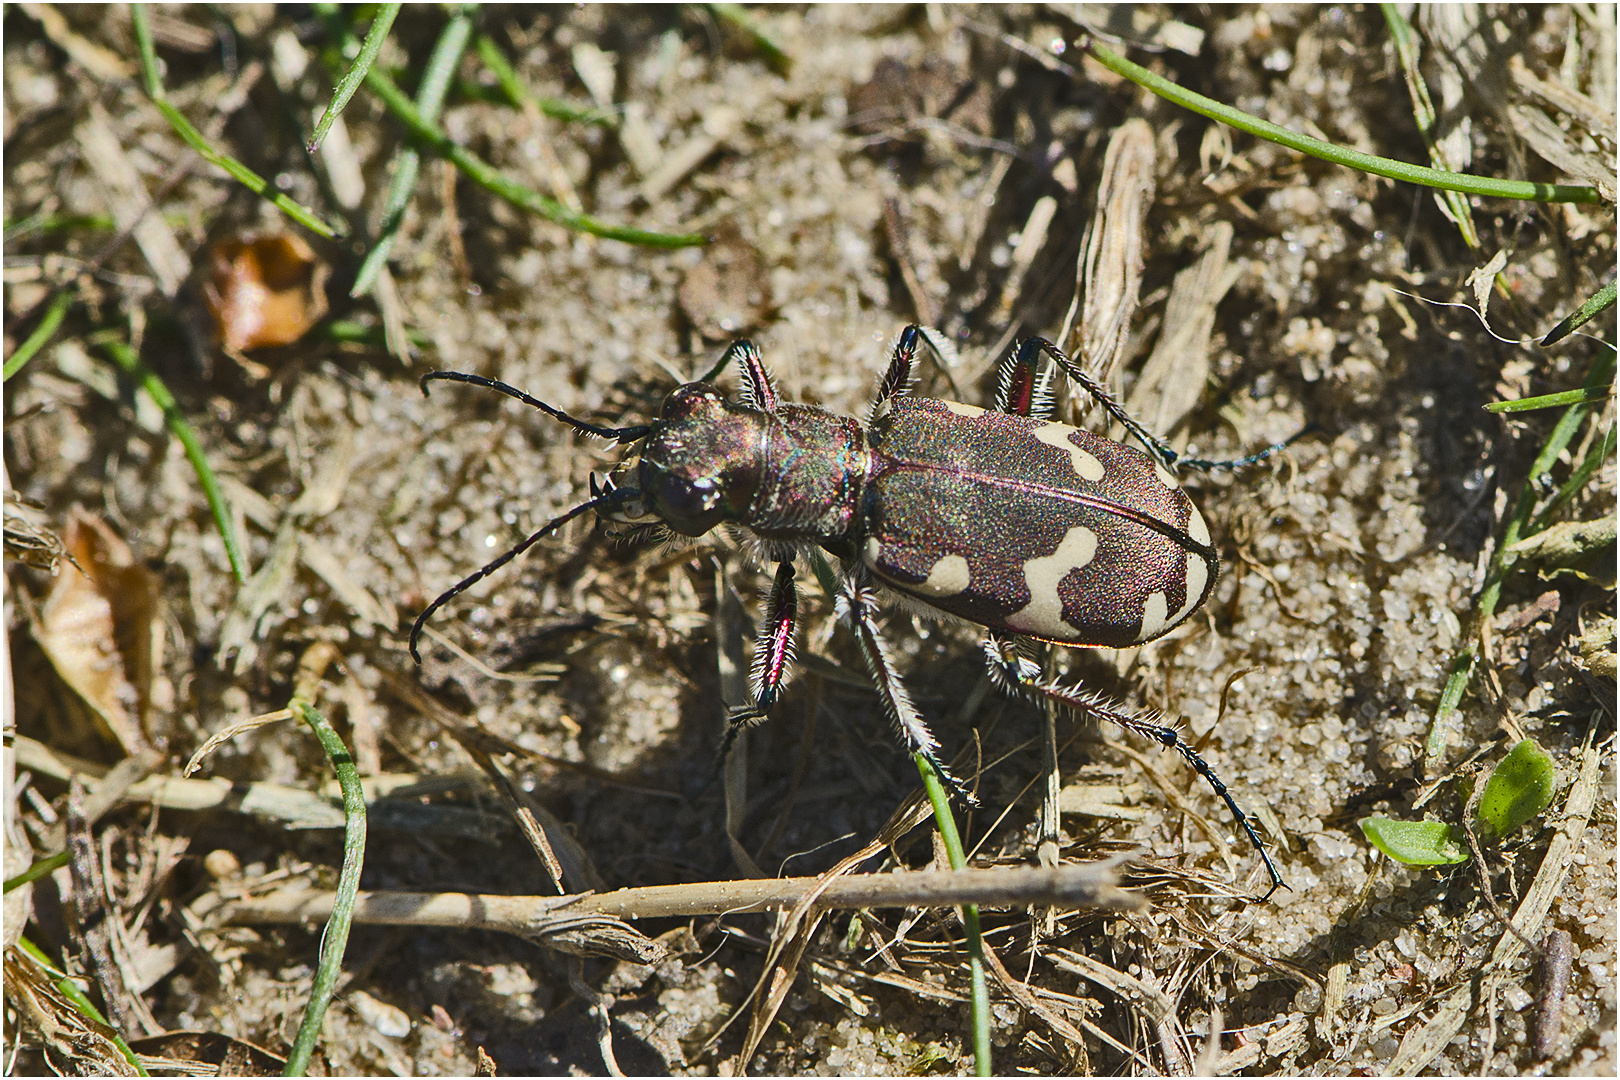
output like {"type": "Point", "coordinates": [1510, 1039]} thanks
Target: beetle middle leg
{"type": "Point", "coordinates": [857, 604]}
{"type": "Point", "coordinates": [1022, 675]}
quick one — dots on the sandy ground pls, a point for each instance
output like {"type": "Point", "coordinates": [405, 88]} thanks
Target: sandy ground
{"type": "Point", "coordinates": [900, 171]}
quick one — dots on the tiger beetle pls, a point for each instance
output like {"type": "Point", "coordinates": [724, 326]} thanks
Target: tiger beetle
{"type": "Point", "coordinates": [1004, 517]}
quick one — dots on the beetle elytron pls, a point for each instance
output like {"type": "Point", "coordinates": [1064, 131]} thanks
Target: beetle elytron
{"type": "Point", "coordinates": [1002, 517]}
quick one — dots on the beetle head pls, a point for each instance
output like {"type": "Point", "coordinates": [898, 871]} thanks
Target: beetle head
{"type": "Point", "coordinates": [700, 466]}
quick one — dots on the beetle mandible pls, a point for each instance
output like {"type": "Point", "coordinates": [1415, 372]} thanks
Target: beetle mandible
{"type": "Point", "coordinates": [1003, 517]}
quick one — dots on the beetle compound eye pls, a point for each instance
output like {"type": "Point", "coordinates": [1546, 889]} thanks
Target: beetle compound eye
{"type": "Point", "coordinates": [690, 506]}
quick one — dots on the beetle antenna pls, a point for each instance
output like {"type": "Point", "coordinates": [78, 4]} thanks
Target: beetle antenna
{"type": "Point", "coordinates": [623, 435]}
{"type": "Point", "coordinates": [611, 497]}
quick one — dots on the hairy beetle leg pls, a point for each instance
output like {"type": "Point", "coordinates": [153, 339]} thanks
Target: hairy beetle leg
{"type": "Point", "coordinates": [1018, 673]}
{"type": "Point", "coordinates": [1156, 446]}
{"type": "Point", "coordinates": [1024, 383]}
{"type": "Point", "coordinates": [858, 606]}
{"type": "Point", "coordinates": [773, 656]}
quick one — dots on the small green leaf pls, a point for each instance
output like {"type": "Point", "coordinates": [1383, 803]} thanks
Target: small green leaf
{"type": "Point", "coordinates": [1415, 843]}
{"type": "Point", "coordinates": [1519, 789]}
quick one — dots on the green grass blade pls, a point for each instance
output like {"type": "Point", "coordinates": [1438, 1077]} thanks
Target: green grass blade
{"type": "Point", "coordinates": [408, 162]}
{"type": "Point", "coordinates": [737, 16]}
{"type": "Point", "coordinates": [336, 938]}
{"type": "Point", "coordinates": [488, 178]}
{"type": "Point", "coordinates": [1338, 155]}
{"type": "Point", "coordinates": [1423, 113]}
{"type": "Point", "coordinates": [48, 865]}
{"type": "Point", "coordinates": [148, 51]}
{"type": "Point", "coordinates": [351, 332]}
{"type": "Point", "coordinates": [53, 223]}
{"type": "Point", "coordinates": [130, 362]}
{"type": "Point", "coordinates": [945, 821]}
{"type": "Point", "coordinates": [1602, 301]}
{"type": "Point", "coordinates": [194, 138]}
{"type": "Point", "coordinates": [1462, 665]}
{"type": "Point", "coordinates": [1549, 401]}
{"type": "Point", "coordinates": [1577, 480]}
{"type": "Point", "coordinates": [42, 334]}
{"type": "Point", "coordinates": [516, 93]}
{"type": "Point", "coordinates": [356, 74]}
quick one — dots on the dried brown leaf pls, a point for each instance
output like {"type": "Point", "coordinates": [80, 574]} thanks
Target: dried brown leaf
{"type": "Point", "coordinates": [97, 626]}
{"type": "Point", "coordinates": [264, 290]}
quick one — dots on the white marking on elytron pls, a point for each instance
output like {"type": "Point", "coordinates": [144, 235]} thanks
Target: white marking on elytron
{"type": "Point", "coordinates": [963, 410]}
{"type": "Point", "coordinates": [1154, 616]}
{"type": "Point", "coordinates": [1165, 478]}
{"type": "Point", "coordinates": [1043, 615]}
{"type": "Point", "coordinates": [1197, 578]}
{"type": "Point", "coordinates": [1057, 435]}
{"type": "Point", "coordinates": [1196, 527]}
{"type": "Point", "coordinates": [948, 577]}
{"type": "Point", "coordinates": [874, 549]}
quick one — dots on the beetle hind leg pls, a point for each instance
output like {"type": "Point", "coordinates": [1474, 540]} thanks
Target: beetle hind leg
{"type": "Point", "coordinates": [1020, 675]}
{"type": "Point", "coordinates": [1156, 446]}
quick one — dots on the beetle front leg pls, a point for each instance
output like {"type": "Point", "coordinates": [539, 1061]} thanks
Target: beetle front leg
{"type": "Point", "coordinates": [773, 655]}
{"type": "Point", "coordinates": [858, 607]}
{"type": "Point", "coordinates": [758, 392]}
{"type": "Point", "coordinates": [898, 377]}
{"type": "Point", "coordinates": [1022, 675]}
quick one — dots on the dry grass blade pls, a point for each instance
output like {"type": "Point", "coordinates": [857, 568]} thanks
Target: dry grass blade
{"type": "Point", "coordinates": [231, 731]}
{"type": "Point", "coordinates": [396, 799]}
{"type": "Point", "coordinates": [1112, 255]}
{"type": "Point", "coordinates": [206, 1053]}
{"type": "Point", "coordinates": [523, 810]}
{"type": "Point", "coordinates": [1081, 887]}
{"type": "Point", "coordinates": [100, 62]}
{"type": "Point", "coordinates": [563, 857]}
{"type": "Point", "coordinates": [1542, 134]}
{"type": "Point", "coordinates": [74, 1043]}
{"type": "Point", "coordinates": [1150, 1000]}
{"type": "Point", "coordinates": [1022, 993]}
{"type": "Point", "coordinates": [1596, 116]}
{"type": "Point", "coordinates": [102, 945]}
{"type": "Point", "coordinates": [129, 202]}
{"type": "Point", "coordinates": [1173, 379]}
{"type": "Point", "coordinates": [600, 1004]}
